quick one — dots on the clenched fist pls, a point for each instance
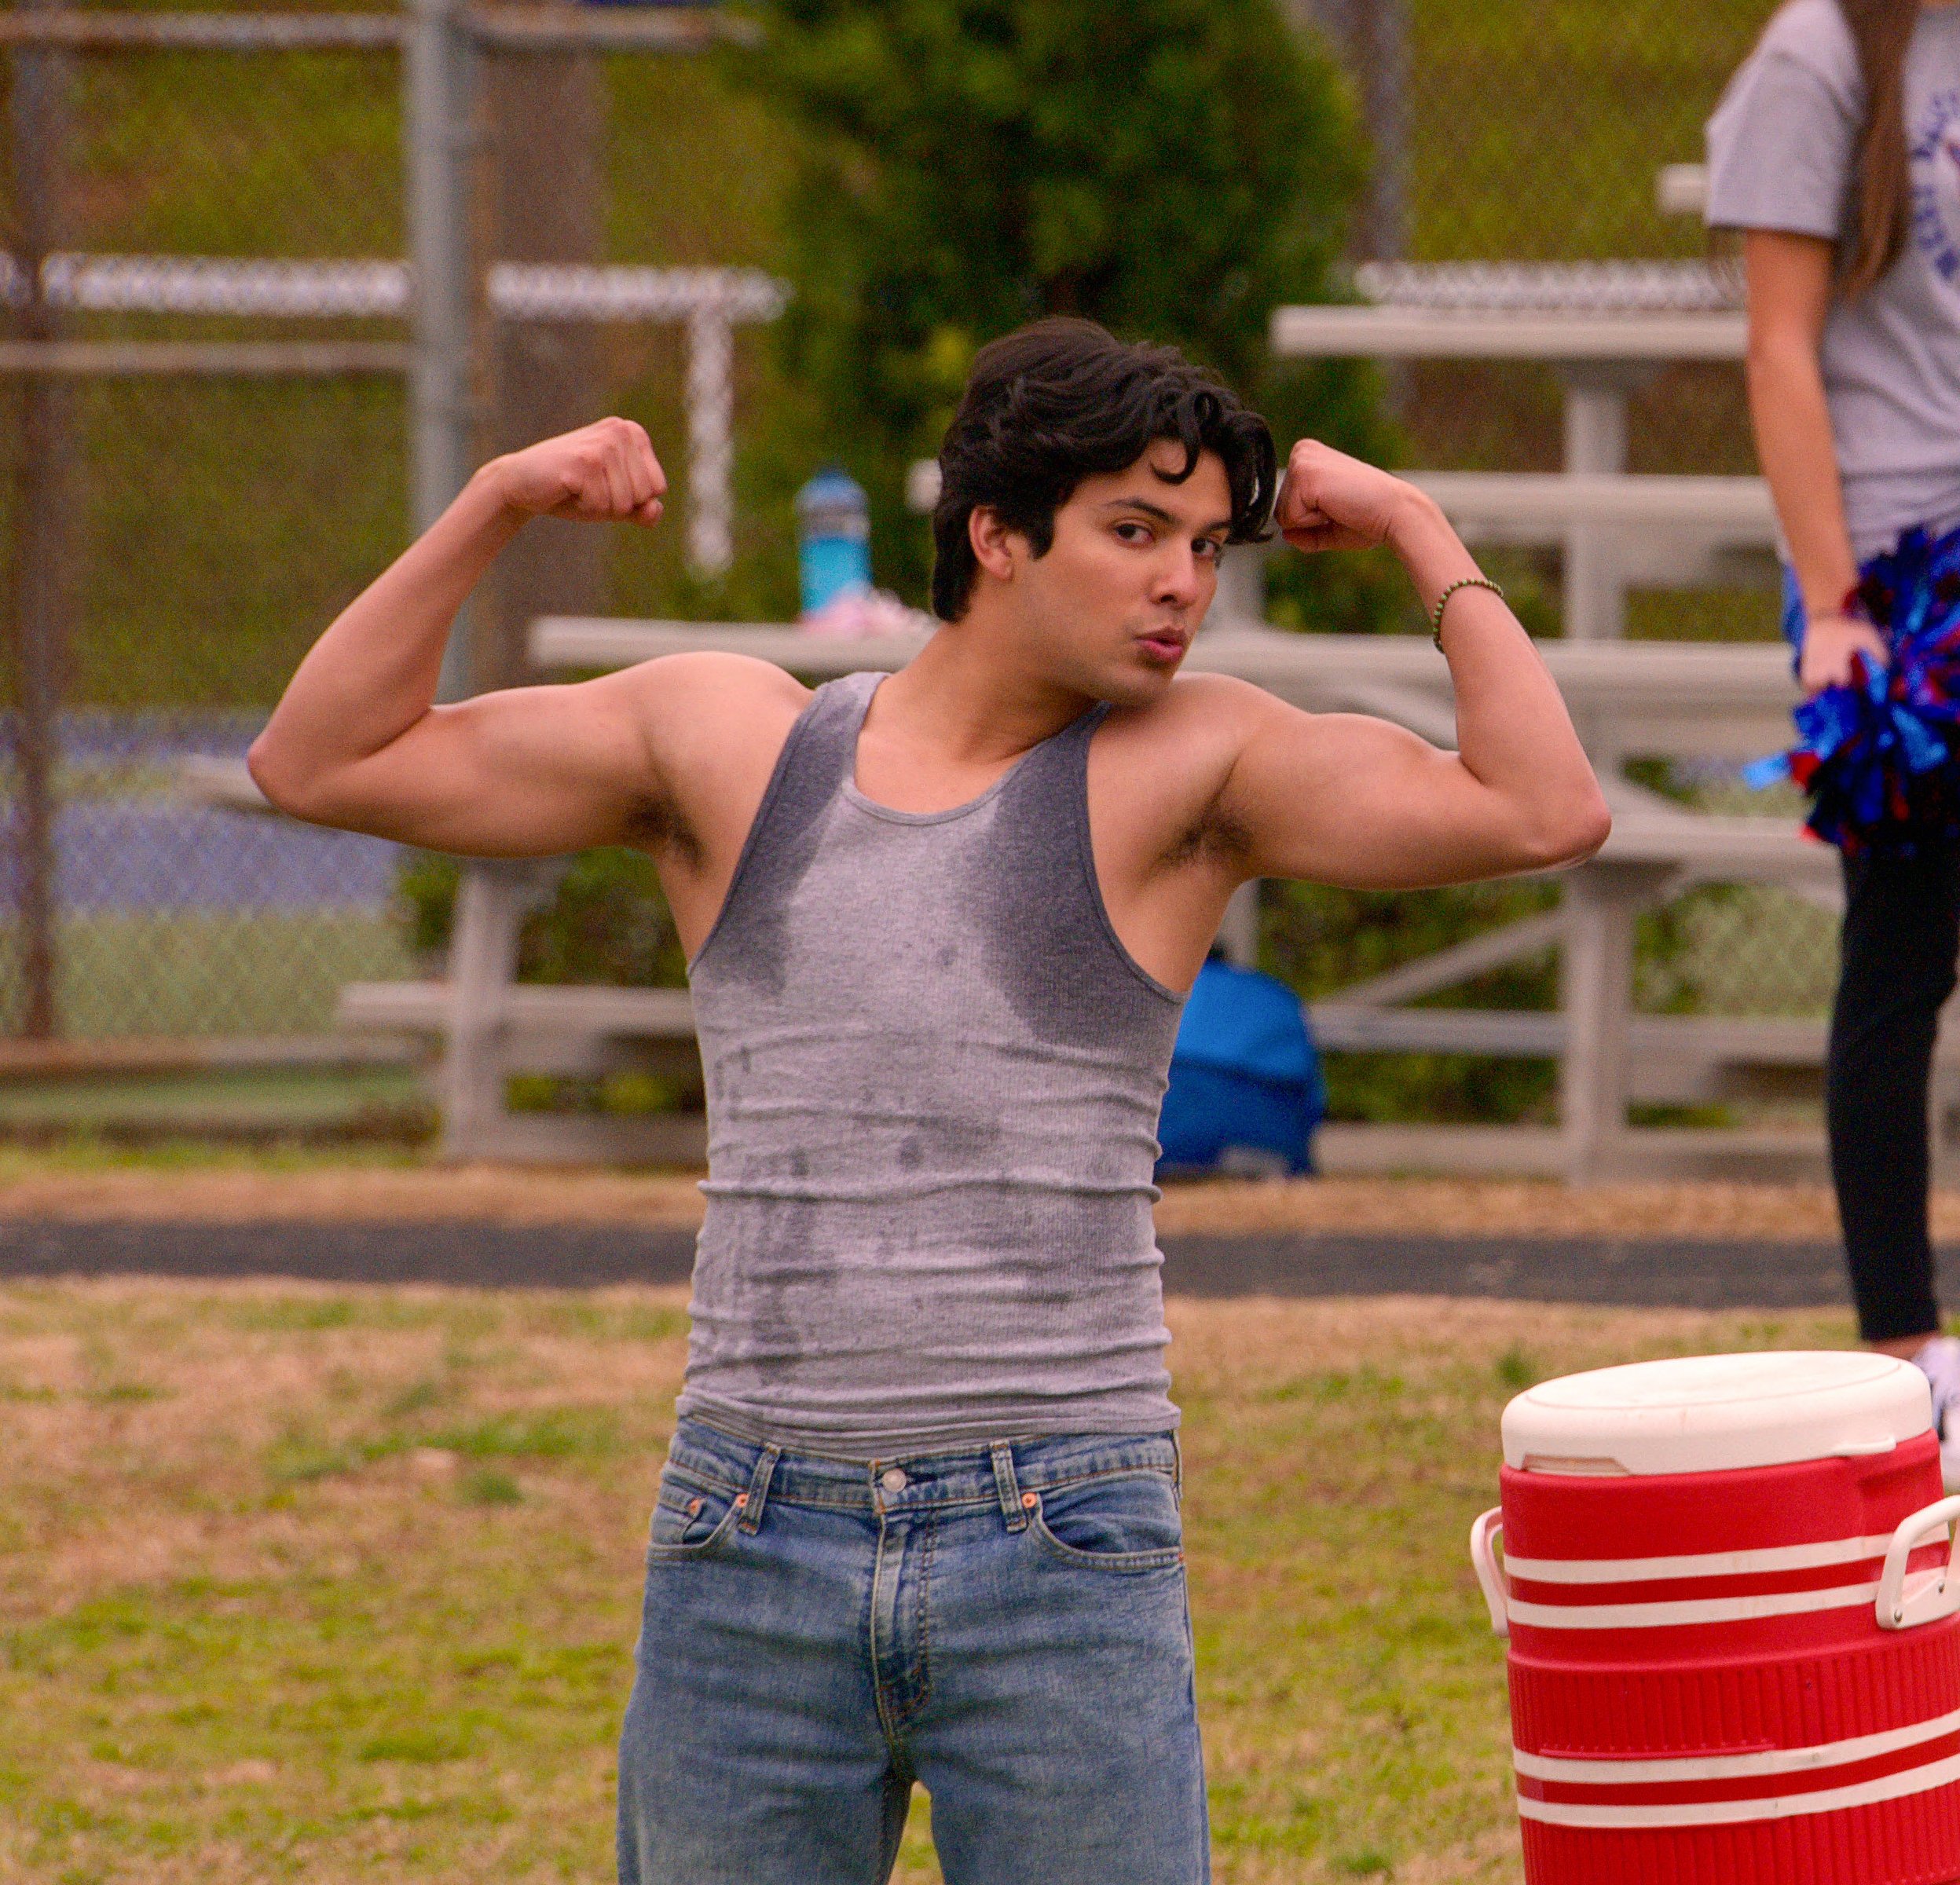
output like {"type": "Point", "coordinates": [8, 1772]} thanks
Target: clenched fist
{"type": "Point", "coordinates": [605, 473]}
{"type": "Point", "coordinates": [1333, 502]}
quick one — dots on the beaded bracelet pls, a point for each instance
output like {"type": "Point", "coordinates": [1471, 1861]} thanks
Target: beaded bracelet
{"type": "Point", "coordinates": [1462, 582]}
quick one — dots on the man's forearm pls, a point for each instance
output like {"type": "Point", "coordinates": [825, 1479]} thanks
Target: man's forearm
{"type": "Point", "coordinates": [373, 674]}
{"type": "Point", "coordinates": [1513, 733]}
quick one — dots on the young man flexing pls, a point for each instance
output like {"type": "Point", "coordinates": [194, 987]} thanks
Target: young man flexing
{"type": "Point", "coordinates": [920, 1517]}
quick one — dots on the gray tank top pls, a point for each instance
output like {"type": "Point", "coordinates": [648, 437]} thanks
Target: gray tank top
{"type": "Point", "coordinates": [933, 1078]}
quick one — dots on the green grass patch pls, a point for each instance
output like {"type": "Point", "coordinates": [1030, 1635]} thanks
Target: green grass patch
{"type": "Point", "coordinates": [556, 1433]}
{"type": "Point", "coordinates": [489, 1486]}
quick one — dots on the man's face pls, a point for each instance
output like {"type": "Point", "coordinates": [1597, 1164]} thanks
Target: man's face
{"type": "Point", "coordinates": [1112, 608]}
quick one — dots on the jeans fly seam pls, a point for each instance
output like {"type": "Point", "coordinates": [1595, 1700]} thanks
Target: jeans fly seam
{"type": "Point", "coordinates": [921, 1671]}
{"type": "Point", "coordinates": [880, 1689]}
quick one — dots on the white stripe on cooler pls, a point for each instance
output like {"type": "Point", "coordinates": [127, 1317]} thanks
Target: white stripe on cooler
{"type": "Point", "coordinates": [1734, 1766]}
{"type": "Point", "coordinates": [1730, 1813]}
{"type": "Point", "coordinates": [1700, 1563]}
{"type": "Point", "coordinates": [1691, 1609]}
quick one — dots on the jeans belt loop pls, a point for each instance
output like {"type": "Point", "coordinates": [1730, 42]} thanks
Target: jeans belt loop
{"type": "Point", "coordinates": [1012, 1510]}
{"type": "Point", "coordinates": [757, 1495]}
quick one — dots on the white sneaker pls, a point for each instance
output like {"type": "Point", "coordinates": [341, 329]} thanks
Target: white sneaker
{"type": "Point", "coordinates": [1939, 1360]}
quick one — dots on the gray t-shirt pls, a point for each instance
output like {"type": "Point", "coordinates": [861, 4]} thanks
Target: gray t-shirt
{"type": "Point", "coordinates": [1783, 154]}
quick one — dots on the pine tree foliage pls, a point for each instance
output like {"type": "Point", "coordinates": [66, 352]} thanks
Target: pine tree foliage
{"type": "Point", "coordinates": [1175, 169]}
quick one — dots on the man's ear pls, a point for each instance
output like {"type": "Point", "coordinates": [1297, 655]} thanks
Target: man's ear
{"type": "Point", "coordinates": [996, 548]}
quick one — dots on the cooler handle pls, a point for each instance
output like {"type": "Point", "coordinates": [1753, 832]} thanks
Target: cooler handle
{"type": "Point", "coordinates": [1938, 1595]}
{"type": "Point", "coordinates": [1487, 1533]}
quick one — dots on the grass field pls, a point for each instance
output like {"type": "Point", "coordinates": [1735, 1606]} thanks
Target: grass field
{"type": "Point", "coordinates": [342, 1584]}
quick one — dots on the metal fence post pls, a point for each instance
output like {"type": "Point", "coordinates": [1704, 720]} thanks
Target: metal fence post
{"type": "Point", "coordinates": [1385, 25]}
{"type": "Point", "coordinates": [1238, 927]}
{"type": "Point", "coordinates": [38, 127]}
{"type": "Point", "coordinates": [544, 136]}
{"type": "Point", "coordinates": [1596, 995]}
{"type": "Point", "coordinates": [710, 439]}
{"type": "Point", "coordinates": [1373, 37]}
{"type": "Point", "coordinates": [438, 129]}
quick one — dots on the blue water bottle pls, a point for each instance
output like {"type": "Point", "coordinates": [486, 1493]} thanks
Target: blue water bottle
{"type": "Point", "coordinates": [834, 538]}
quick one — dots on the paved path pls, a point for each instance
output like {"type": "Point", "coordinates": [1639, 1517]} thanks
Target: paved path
{"type": "Point", "coordinates": [1640, 1272]}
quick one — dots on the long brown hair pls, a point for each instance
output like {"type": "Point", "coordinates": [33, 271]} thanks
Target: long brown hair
{"type": "Point", "coordinates": [1882, 30]}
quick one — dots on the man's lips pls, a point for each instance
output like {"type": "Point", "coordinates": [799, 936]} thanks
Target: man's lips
{"type": "Point", "coordinates": [1166, 645]}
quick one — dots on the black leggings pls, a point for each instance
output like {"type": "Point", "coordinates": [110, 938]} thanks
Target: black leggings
{"type": "Point", "coordinates": [1902, 932]}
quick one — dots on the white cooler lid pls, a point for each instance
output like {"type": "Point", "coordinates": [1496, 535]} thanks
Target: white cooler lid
{"type": "Point", "coordinates": [1712, 1413]}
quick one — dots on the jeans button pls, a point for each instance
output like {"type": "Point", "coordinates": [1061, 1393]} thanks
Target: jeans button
{"type": "Point", "coordinates": [892, 1479]}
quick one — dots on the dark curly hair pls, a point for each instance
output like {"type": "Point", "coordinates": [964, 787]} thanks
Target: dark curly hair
{"type": "Point", "coordinates": [1063, 400]}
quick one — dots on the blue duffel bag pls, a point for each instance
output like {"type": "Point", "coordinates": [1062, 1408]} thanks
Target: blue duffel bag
{"type": "Point", "coordinates": [1246, 1091]}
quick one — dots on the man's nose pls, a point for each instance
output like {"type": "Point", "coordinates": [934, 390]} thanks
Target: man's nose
{"type": "Point", "coordinates": [1180, 578]}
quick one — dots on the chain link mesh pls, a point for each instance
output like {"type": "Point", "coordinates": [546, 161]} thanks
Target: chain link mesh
{"type": "Point", "coordinates": [1528, 158]}
{"type": "Point", "coordinates": [174, 536]}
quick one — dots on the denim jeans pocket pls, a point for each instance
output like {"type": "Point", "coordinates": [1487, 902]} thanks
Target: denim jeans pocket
{"type": "Point", "coordinates": [691, 1516]}
{"type": "Point", "coordinates": [1112, 1522]}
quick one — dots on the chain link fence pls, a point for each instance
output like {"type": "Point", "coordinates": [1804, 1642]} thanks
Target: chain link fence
{"type": "Point", "coordinates": [207, 341]}
{"type": "Point", "coordinates": [188, 492]}
{"type": "Point", "coordinates": [206, 400]}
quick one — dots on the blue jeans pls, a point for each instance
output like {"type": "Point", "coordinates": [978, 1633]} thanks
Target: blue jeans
{"type": "Point", "coordinates": [1006, 1625]}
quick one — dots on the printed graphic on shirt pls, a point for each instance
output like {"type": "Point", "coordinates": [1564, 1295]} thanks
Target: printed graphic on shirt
{"type": "Point", "coordinates": [1936, 184]}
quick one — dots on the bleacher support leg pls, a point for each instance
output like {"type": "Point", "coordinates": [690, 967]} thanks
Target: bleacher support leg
{"type": "Point", "coordinates": [1596, 994]}
{"type": "Point", "coordinates": [490, 904]}
{"type": "Point", "coordinates": [1595, 440]}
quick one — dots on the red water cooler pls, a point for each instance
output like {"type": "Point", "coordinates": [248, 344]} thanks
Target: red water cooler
{"type": "Point", "coordinates": [1731, 1599]}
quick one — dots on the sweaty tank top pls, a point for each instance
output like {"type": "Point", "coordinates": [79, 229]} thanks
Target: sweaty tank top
{"type": "Point", "coordinates": [933, 1078]}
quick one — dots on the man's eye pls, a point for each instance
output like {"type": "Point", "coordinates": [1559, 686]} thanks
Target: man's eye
{"type": "Point", "coordinates": [1209, 546]}
{"type": "Point", "coordinates": [1133, 533]}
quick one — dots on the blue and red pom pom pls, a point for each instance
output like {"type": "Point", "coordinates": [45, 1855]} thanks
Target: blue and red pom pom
{"type": "Point", "coordinates": [1881, 759]}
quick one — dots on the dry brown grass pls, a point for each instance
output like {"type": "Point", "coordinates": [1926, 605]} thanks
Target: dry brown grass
{"type": "Point", "coordinates": [480, 1193]}
{"type": "Point", "coordinates": [504, 1195]}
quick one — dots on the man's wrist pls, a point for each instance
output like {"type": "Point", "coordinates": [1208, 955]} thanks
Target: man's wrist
{"type": "Point", "coordinates": [1415, 518]}
{"type": "Point", "coordinates": [489, 483]}
{"type": "Point", "coordinates": [487, 504]}
{"type": "Point", "coordinates": [1425, 540]}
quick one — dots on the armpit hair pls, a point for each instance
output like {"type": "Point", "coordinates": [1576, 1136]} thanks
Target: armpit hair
{"type": "Point", "coordinates": [658, 825]}
{"type": "Point", "coordinates": [1215, 834]}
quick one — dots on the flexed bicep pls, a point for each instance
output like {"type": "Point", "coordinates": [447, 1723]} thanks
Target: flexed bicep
{"type": "Point", "coordinates": [1349, 799]}
{"type": "Point", "coordinates": [518, 772]}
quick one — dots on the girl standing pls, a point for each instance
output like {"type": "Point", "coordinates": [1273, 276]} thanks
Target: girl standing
{"type": "Point", "coordinates": [1835, 151]}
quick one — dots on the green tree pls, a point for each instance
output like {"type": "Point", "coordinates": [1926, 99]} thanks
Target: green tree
{"type": "Point", "coordinates": [1173, 168]}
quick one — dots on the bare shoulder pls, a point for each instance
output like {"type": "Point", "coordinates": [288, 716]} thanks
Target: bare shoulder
{"type": "Point", "coordinates": [710, 705]}
{"type": "Point", "coordinates": [1215, 715]}
{"type": "Point", "coordinates": [682, 686]}
{"type": "Point", "coordinates": [711, 726]}
{"type": "Point", "coordinates": [1160, 773]}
